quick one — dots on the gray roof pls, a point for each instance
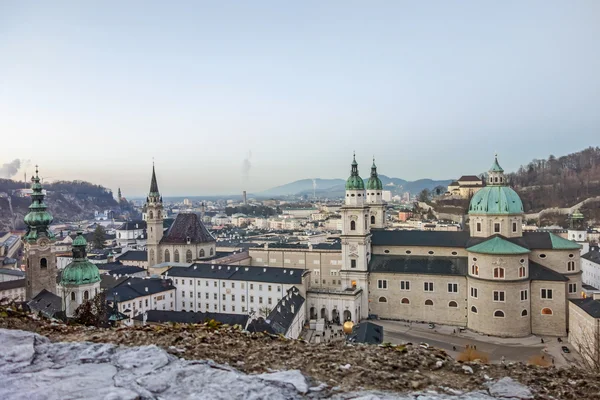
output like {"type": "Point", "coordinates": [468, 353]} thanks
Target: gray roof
{"type": "Point", "coordinates": [538, 272]}
{"type": "Point", "coordinates": [47, 303]}
{"type": "Point", "coordinates": [13, 284]}
{"type": "Point", "coordinates": [418, 265]}
{"type": "Point", "coordinates": [133, 288]}
{"type": "Point", "coordinates": [239, 273]}
{"type": "Point", "coordinates": [134, 255]}
{"type": "Point", "coordinates": [132, 225]}
{"type": "Point", "coordinates": [187, 227]}
{"type": "Point", "coordinates": [593, 256]}
{"type": "Point", "coordinates": [589, 305]}
{"type": "Point", "coordinates": [366, 332]}
{"type": "Point", "coordinates": [283, 314]}
{"type": "Point", "coordinates": [126, 270]}
{"type": "Point", "coordinates": [188, 317]}
{"type": "Point", "coordinates": [12, 272]}
{"type": "Point", "coordinates": [109, 281]}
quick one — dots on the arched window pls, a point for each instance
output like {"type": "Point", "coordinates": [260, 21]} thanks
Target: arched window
{"type": "Point", "coordinates": [176, 256]}
{"type": "Point", "coordinates": [72, 296]}
{"type": "Point", "coordinates": [372, 219]}
{"type": "Point", "coordinates": [428, 302]}
{"type": "Point", "coordinates": [352, 225]}
{"type": "Point", "coordinates": [43, 263]}
{"type": "Point", "coordinates": [524, 313]}
{"type": "Point", "coordinates": [571, 266]}
{"type": "Point", "coordinates": [167, 256]}
{"type": "Point", "coordinates": [405, 301]}
{"type": "Point", "coordinates": [474, 309]}
{"type": "Point", "coordinates": [86, 295]}
{"type": "Point", "coordinates": [499, 273]}
{"type": "Point", "coordinates": [521, 272]}
{"type": "Point", "coordinates": [453, 304]}
{"type": "Point", "coordinates": [546, 311]}
{"type": "Point", "coordinates": [499, 314]}
{"type": "Point", "coordinates": [496, 179]}
{"type": "Point", "coordinates": [382, 299]}
{"type": "Point", "coordinates": [159, 214]}
{"type": "Point", "coordinates": [150, 215]}
{"type": "Point", "coordinates": [188, 256]}
{"type": "Point", "coordinates": [212, 251]}
{"type": "Point", "coordinates": [201, 254]}
{"type": "Point", "coordinates": [475, 270]}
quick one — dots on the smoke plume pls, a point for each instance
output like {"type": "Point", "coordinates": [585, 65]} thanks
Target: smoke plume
{"type": "Point", "coordinates": [246, 165]}
{"type": "Point", "coordinates": [8, 170]}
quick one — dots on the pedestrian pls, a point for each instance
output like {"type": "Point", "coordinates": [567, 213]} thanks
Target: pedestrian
{"type": "Point", "coordinates": [542, 340]}
{"type": "Point", "coordinates": [454, 348]}
{"type": "Point", "coordinates": [474, 347]}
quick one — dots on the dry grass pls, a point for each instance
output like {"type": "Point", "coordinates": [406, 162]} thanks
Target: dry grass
{"type": "Point", "coordinates": [471, 354]}
{"type": "Point", "coordinates": [540, 360]}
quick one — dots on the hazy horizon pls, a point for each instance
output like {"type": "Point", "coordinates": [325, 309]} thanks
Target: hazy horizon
{"type": "Point", "coordinates": [232, 97]}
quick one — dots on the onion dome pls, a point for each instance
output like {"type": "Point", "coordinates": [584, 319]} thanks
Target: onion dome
{"type": "Point", "coordinates": [355, 182]}
{"type": "Point", "coordinates": [80, 271]}
{"type": "Point", "coordinates": [496, 198]}
{"type": "Point", "coordinates": [38, 219]}
{"type": "Point", "coordinates": [374, 183]}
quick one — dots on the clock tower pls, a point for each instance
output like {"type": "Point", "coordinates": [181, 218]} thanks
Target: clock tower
{"type": "Point", "coordinates": [39, 244]}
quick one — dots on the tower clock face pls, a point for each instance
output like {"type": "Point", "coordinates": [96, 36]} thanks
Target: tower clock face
{"type": "Point", "coordinates": [43, 244]}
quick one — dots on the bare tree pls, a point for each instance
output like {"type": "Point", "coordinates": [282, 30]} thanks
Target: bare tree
{"type": "Point", "coordinates": [587, 343]}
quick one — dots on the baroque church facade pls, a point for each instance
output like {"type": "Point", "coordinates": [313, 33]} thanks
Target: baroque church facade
{"type": "Point", "coordinates": [494, 279]}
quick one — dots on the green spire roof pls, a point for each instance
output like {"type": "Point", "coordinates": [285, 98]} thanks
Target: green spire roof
{"type": "Point", "coordinates": [496, 200]}
{"type": "Point", "coordinates": [559, 243]}
{"type": "Point", "coordinates": [38, 219]}
{"type": "Point", "coordinates": [497, 245]}
{"type": "Point", "coordinates": [495, 166]}
{"type": "Point", "coordinates": [355, 182]}
{"type": "Point", "coordinates": [80, 271]}
{"type": "Point", "coordinates": [374, 183]}
{"type": "Point", "coordinates": [577, 215]}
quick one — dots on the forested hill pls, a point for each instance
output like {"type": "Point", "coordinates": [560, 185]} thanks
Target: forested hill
{"type": "Point", "coordinates": [558, 182]}
{"type": "Point", "coordinates": [66, 200]}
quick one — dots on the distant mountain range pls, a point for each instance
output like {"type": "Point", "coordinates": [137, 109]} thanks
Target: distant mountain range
{"type": "Point", "coordinates": [336, 187]}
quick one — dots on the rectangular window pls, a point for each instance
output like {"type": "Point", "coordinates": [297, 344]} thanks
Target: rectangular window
{"type": "Point", "coordinates": [547, 294]}
{"type": "Point", "coordinates": [215, 283]}
{"type": "Point", "coordinates": [260, 300]}
{"type": "Point", "coordinates": [176, 281]}
{"type": "Point", "coordinates": [428, 286]}
{"type": "Point", "coordinates": [233, 285]}
{"type": "Point", "coordinates": [260, 287]}
{"type": "Point", "coordinates": [191, 294]}
{"type": "Point", "coordinates": [223, 283]}
{"type": "Point", "coordinates": [251, 299]}
{"type": "Point", "coordinates": [199, 295]}
{"type": "Point", "coordinates": [243, 299]}
{"type": "Point", "coordinates": [352, 263]}
{"type": "Point", "coordinates": [514, 226]}
{"type": "Point", "coordinates": [252, 286]}
{"type": "Point", "coordinates": [382, 284]}
{"type": "Point", "coordinates": [316, 262]}
{"type": "Point", "coordinates": [279, 288]}
{"type": "Point", "coordinates": [215, 296]}
{"type": "Point", "coordinates": [523, 295]}
{"type": "Point", "coordinates": [474, 293]}
{"type": "Point", "coordinates": [207, 306]}
{"type": "Point", "coordinates": [496, 227]}
{"type": "Point", "coordinates": [243, 309]}
{"type": "Point", "coordinates": [272, 260]}
{"type": "Point", "coordinates": [146, 302]}
{"type": "Point", "coordinates": [215, 306]}
{"type": "Point", "coordinates": [270, 301]}
{"type": "Point", "coordinates": [224, 297]}
{"type": "Point", "coordinates": [233, 297]}
{"type": "Point", "coordinates": [404, 285]}
{"type": "Point", "coordinates": [498, 295]}
{"type": "Point", "coordinates": [479, 227]}
{"type": "Point", "coordinates": [453, 288]}
{"type": "Point", "coordinates": [269, 288]}
{"type": "Point", "coordinates": [232, 308]}
{"type": "Point", "coordinates": [572, 287]}
{"type": "Point", "coordinates": [182, 304]}
{"type": "Point", "coordinates": [286, 260]}
{"type": "Point", "coordinates": [206, 283]}
{"type": "Point", "coordinates": [206, 296]}
{"type": "Point", "coordinates": [199, 306]}
{"type": "Point", "coordinates": [224, 307]}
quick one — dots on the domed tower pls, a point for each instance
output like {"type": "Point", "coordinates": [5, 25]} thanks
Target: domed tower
{"type": "Point", "coordinates": [375, 199]}
{"type": "Point", "coordinates": [577, 231]}
{"type": "Point", "coordinates": [496, 209]}
{"type": "Point", "coordinates": [80, 280]}
{"type": "Point", "coordinates": [356, 238]}
{"type": "Point", "coordinates": [154, 221]}
{"type": "Point", "coordinates": [38, 243]}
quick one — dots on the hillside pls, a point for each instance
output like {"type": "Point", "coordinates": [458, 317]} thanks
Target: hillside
{"type": "Point", "coordinates": [335, 187]}
{"type": "Point", "coordinates": [67, 201]}
{"type": "Point", "coordinates": [558, 182]}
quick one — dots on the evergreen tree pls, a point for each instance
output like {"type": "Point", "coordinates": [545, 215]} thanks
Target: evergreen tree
{"type": "Point", "coordinates": [99, 237]}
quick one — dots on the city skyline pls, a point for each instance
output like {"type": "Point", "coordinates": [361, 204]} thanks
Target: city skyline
{"type": "Point", "coordinates": [250, 97]}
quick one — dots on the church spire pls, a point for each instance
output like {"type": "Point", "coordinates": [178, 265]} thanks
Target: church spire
{"type": "Point", "coordinates": [154, 184]}
{"type": "Point", "coordinates": [374, 183]}
{"type": "Point", "coordinates": [354, 182]}
{"type": "Point", "coordinates": [38, 219]}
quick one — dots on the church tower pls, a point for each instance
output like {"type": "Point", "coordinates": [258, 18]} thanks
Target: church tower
{"type": "Point", "coordinates": [356, 237]}
{"type": "Point", "coordinates": [154, 221]}
{"type": "Point", "coordinates": [38, 243]}
{"type": "Point", "coordinates": [375, 201]}
{"type": "Point", "coordinates": [80, 280]}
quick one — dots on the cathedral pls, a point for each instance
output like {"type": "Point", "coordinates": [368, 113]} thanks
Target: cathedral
{"type": "Point", "coordinates": [494, 279]}
{"type": "Point", "coordinates": [187, 239]}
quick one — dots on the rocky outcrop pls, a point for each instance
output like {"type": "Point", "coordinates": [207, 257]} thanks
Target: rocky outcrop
{"type": "Point", "coordinates": [32, 367]}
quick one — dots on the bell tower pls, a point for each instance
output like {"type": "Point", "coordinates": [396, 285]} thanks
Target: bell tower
{"type": "Point", "coordinates": [39, 244]}
{"type": "Point", "coordinates": [375, 201]}
{"type": "Point", "coordinates": [154, 221]}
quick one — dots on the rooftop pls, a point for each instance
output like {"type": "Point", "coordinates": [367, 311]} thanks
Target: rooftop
{"type": "Point", "coordinates": [239, 273]}
{"type": "Point", "coordinates": [132, 225]}
{"type": "Point", "coordinates": [589, 305]}
{"type": "Point", "coordinates": [187, 228]}
{"type": "Point", "coordinates": [188, 317]}
{"type": "Point", "coordinates": [538, 272]}
{"type": "Point", "coordinates": [133, 255]}
{"type": "Point", "coordinates": [132, 288]}
{"type": "Point", "coordinates": [497, 245]}
{"type": "Point", "coordinates": [418, 265]}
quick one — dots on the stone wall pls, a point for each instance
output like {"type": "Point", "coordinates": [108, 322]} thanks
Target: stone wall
{"type": "Point", "coordinates": [544, 324]}
{"type": "Point", "coordinates": [420, 251]}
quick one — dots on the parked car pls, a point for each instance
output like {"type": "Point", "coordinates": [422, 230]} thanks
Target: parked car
{"type": "Point", "coordinates": [424, 345]}
{"type": "Point", "coordinates": [565, 349]}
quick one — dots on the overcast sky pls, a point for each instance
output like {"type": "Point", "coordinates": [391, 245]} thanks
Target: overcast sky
{"type": "Point", "coordinates": [432, 89]}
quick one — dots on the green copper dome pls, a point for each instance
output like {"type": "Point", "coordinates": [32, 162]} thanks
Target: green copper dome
{"type": "Point", "coordinates": [38, 220]}
{"type": "Point", "coordinates": [355, 182]}
{"type": "Point", "coordinates": [496, 166]}
{"type": "Point", "coordinates": [496, 200]}
{"type": "Point", "coordinates": [374, 183]}
{"type": "Point", "coordinates": [80, 271]}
